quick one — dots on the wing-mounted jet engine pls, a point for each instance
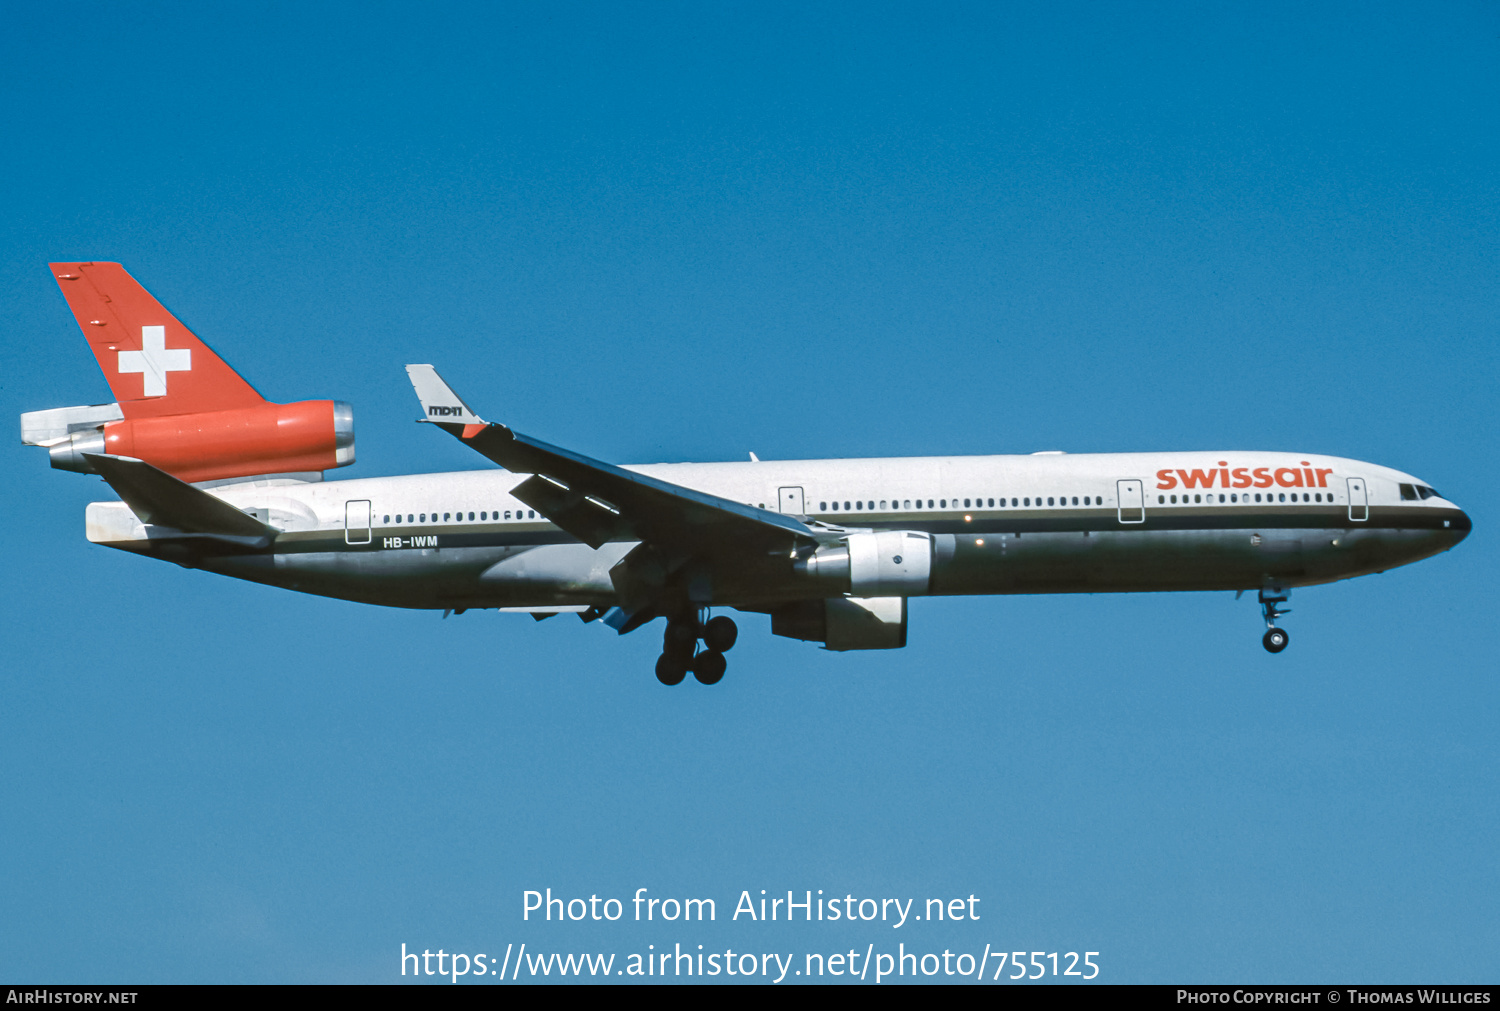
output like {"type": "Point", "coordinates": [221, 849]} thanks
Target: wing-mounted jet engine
{"type": "Point", "coordinates": [873, 563]}
{"type": "Point", "coordinates": [844, 623]}
{"type": "Point", "coordinates": [180, 407]}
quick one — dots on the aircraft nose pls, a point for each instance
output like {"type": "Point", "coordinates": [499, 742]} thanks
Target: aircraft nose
{"type": "Point", "coordinates": [1460, 525]}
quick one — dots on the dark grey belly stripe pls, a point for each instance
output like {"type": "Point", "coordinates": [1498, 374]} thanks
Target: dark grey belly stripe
{"type": "Point", "coordinates": [1018, 521]}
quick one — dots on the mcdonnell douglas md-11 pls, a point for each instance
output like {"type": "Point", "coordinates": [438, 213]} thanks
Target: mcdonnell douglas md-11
{"type": "Point", "coordinates": [212, 476]}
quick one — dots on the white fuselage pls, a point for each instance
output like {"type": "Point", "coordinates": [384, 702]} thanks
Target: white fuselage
{"type": "Point", "coordinates": [998, 524]}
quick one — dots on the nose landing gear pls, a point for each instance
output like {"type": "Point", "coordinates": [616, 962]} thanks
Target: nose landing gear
{"type": "Point", "coordinates": [1275, 640]}
{"type": "Point", "coordinates": [680, 652]}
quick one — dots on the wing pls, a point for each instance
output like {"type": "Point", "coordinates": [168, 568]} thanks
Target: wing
{"type": "Point", "coordinates": [599, 502]}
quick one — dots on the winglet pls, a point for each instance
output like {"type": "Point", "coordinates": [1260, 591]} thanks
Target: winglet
{"type": "Point", "coordinates": [439, 402]}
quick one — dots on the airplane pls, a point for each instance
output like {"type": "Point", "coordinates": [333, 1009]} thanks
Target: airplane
{"type": "Point", "coordinates": [212, 476]}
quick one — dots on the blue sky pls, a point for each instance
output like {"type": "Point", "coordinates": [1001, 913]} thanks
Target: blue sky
{"type": "Point", "coordinates": [685, 232]}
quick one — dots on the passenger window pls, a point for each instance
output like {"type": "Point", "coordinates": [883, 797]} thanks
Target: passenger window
{"type": "Point", "coordinates": [882, 505]}
{"type": "Point", "coordinates": [1012, 503]}
{"type": "Point", "coordinates": [484, 515]}
{"type": "Point", "coordinates": [1075, 499]}
{"type": "Point", "coordinates": [992, 503]}
{"type": "Point", "coordinates": [859, 505]}
{"type": "Point", "coordinates": [387, 519]}
{"type": "Point", "coordinates": [929, 503]}
{"type": "Point", "coordinates": [445, 516]}
{"type": "Point", "coordinates": [1196, 498]}
{"type": "Point", "coordinates": [1050, 501]}
{"type": "Point", "coordinates": [531, 514]}
{"type": "Point", "coordinates": [872, 505]}
{"type": "Point", "coordinates": [1028, 502]}
{"type": "Point", "coordinates": [507, 514]}
{"type": "Point", "coordinates": [822, 507]}
{"type": "Point", "coordinates": [966, 503]}
{"type": "Point", "coordinates": [410, 518]}
{"type": "Point", "coordinates": [1161, 500]}
{"type": "Point", "coordinates": [1283, 496]}
{"type": "Point", "coordinates": [424, 517]}
{"type": "Point", "coordinates": [907, 505]}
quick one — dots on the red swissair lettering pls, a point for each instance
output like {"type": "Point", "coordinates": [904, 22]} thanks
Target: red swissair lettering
{"type": "Point", "coordinates": [1244, 477]}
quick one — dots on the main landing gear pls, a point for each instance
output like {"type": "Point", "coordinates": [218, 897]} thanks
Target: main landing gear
{"type": "Point", "coordinates": [680, 653]}
{"type": "Point", "coordinates": [1275, 639]}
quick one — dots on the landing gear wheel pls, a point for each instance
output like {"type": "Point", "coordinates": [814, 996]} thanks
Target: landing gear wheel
{"type": "Point", "coordinates": [720, 634]}
{"type": "Point", "coordinates": [680, 637]}
{"type": "Point", "coordinates": [709, 666]}
{"type": "Point", "coordinates": [1274, 640]}
{"type": "Point", "coordinates": [670, 670]}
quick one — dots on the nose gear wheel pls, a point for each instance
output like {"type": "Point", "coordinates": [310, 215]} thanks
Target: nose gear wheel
{"type": "Point", "coordinates": [1275, 640]}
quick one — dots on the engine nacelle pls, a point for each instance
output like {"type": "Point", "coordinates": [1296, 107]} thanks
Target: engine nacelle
{"type": "Point", "coordinates": [873, 564]}
{"type": "Point", "coordinates": [845, 623]}
{"type": "Point", "coordinates": [312, 435]}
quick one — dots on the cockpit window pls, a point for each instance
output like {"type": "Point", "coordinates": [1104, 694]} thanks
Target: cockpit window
{"type": "Point", "coordinates": [1427, 492]}
{"type": "Point", "coordinates": [1408, 493]}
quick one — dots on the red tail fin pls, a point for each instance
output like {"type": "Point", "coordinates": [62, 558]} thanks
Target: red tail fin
{"type": "Point", "coordinates": [154, 364]}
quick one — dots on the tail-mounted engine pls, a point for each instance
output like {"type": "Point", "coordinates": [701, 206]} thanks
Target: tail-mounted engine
{"type": "Point", "coordinates": [313, 435]}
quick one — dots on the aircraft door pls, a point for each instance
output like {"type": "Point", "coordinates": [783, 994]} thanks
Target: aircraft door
{"type": "Point", "coordinates": [357, 522]}
{"type": "Point", "coordinates": [1359, 502]}
{"type": "Point", "coordinates": [791, 502]}
{"type": "Point", "coordinates": [1132, 501]}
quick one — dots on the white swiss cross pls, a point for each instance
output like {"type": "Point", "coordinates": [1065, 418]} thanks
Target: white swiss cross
{"type": "Point", "coordinates": [154, 361]}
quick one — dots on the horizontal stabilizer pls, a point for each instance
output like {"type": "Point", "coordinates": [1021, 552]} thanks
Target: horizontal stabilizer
{"type": "Point", "coordinates": [158, 498]}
